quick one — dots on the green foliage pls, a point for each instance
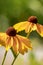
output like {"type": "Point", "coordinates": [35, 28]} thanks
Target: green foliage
{"type": "Point", "coordinates": [20, 10]}
{"type": "Point", "coordinates": [4, 23]}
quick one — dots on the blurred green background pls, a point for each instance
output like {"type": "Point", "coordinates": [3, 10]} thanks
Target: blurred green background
{"type": "Point", "coordinates": [14, 11]}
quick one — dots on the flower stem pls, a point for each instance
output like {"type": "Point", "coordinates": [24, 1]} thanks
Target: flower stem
{"type": "Point", "coordinates": [14, 60]}
{"type": "Point", "coordinates": [27, 35]}
{"type": "Point", "coordinates": [15, 56]}
{"type": "Point", "coordinates": [4, 57]}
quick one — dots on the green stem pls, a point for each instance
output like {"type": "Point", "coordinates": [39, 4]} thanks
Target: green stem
{"type": "Point", "coordinates": [14, 60]}
{"type": "Point", "coordinates": [15, 56]}
{"type": "Point", "coordinates": [27, 35]}
{"type": "Point", "coordinates": [4, 57]}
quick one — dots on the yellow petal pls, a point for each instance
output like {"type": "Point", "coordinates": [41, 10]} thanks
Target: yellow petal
{"type": "Point", "coordinates": [24, 44]}
{"type": "Point", "coordinates": [28, 27]}
{"type": "Point", "coordinates": [15, 45]}
{"type": "Point", "coordinates": [25, 49]}
{"type": "Point", "coordinates": [40, 29]}
{"type": "Point", "coordinates": [26, 41]}
{"type": "Point", "coordinates": [3, 38]}
{"type": "Point", "coordinates": [34, 27]}
{"type": "Point", "coordinates": [0, 45]}
{"type": "Point", "coordinates": [20, 26]}
{"type": "Point", "coordinates": [21, 46]}
{"type": "Point", "coordinates": [5, 41]}
{"type": "Point", "coordinates": [9, 43]}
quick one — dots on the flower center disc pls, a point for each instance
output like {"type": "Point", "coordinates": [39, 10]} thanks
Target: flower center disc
{"type": "Point", "coordinates": [11, 31]}
{"type": "Point", "coordinates": [32, 19]}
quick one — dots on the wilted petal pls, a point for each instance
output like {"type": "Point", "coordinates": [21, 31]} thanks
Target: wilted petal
{"type": "Point", "coordinates": [15, 45]}
{"type": "Point", "coordinates": [20, 26]}
{"type": "Point", "coordinates": [40, 29]}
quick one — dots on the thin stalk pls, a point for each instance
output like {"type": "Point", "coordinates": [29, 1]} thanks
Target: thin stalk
{"type": "Point", "coordinates": [27, 35]}
{"type": "Point", "coordinates": [15, 56]}
{"type": "Point", "coordinates": [14, 60]}
{"type": "Point", "coordinates": [4, 58]}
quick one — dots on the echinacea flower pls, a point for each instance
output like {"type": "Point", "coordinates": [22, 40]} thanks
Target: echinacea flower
{"type": "Point", "coordinates": [30, 25]}
{"type": "Point", "coordinates": [12, 39]}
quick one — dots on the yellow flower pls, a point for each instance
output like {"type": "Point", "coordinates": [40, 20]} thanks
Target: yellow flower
{"type": "Point", "coordinates": [30, 26]}
{"type": "Point", "coordinates": [12, 39]}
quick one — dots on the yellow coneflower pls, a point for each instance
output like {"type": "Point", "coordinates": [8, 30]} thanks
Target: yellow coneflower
{"type": "Point", "coordinates": [11, 39]}
{"type": "Point", "coordinates": [30, 25]}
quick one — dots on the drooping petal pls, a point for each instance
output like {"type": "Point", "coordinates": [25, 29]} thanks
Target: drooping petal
{"type": "Point", "coordinates": [5, 41]}
{"type": "Point", "coordinates": [21, 46]}
{"type": "Point", "coordinates": [24, 44]}
{"type": "Point", "coordinates": [40, 29]}
{"type": "Point", "coordinates": [20, 26]}
{"type": "Point", "coordinates": [28, 27]}
{"type": "Point", "coordinates": [34, 27]}
{"type": "Point", "coordinates": [26, 41]}
{"type": "Point", "coordinates": [15, 45]}
{"type": "Point", "coordinates": [9, 43]}
{"type": "Point", "coordinates": [3, 38]}
{"type": "Point", "coordinates": [25, 49]}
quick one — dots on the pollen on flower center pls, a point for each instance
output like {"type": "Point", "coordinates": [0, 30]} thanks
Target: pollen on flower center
{"type": "Point", "coordinates": [32, 19]}
{"type": "Point", "coordinates": [11, 31]}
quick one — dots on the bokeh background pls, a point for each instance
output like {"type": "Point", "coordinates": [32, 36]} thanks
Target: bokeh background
{"type": "Point", "coordinates": [14, 11]}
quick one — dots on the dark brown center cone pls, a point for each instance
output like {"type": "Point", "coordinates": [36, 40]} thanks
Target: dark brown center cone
{"type": "Point", "coordinates": [32, 19]}
{"type": "Point", "coordinates": [11, 31]}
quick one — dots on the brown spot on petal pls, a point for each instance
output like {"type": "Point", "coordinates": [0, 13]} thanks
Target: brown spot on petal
{"type": "Point", "coordinates": [32, 19]}
{"type": "Point", "coordinates": [11, 31]}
